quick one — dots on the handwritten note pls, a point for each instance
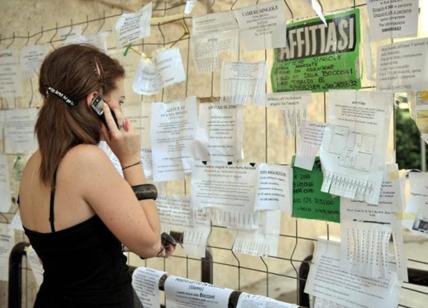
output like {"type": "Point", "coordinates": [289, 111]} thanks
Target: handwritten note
{"type": "Point", "coordinates": [308, 200]}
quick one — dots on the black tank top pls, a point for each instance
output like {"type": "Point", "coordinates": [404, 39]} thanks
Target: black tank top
{"type": "Point", "coordinates": [83, 266]}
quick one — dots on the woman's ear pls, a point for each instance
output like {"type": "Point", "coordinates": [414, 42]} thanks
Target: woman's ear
{"type": "Point", "coordinates": [91, 97]}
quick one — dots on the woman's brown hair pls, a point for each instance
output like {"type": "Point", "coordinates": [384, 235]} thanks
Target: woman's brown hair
{"type": "Point", "coordinates": [76, 71]}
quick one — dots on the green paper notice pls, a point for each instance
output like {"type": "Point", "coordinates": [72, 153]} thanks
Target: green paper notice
{"type": "Point", "coordinates": [319, 57]}
{"type": "Point", "coordinates": [308, 200]}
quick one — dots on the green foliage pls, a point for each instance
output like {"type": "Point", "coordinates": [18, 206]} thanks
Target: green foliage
{"type": "Point", "coordinates": [407, 136]}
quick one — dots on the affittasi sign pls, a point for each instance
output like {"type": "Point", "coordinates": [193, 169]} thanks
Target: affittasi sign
{"type": "Point", "coordinates": [319, 57]}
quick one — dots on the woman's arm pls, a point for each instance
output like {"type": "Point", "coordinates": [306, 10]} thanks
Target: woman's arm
{"type": "Point", "coordinates": [134, 223]}
{"type": "Point", "coordinates": [135, 176]}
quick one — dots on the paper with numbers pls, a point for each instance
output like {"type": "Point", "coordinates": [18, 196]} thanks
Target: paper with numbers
{"type": "Point", "coordinates": [68, 32]}
{"type": "Point", "coordinates": [31, 59]}
{"type": "Point", "coordinates": [6, 244]}
{"type": "Point", "coordinates": [164, 70]}
{"type": "Point", "coordinates": [131, 27]}
{"type": "Point", "coordinates": [147, 79]}
{"type": "Point", "coordinates": [417, 205]}
{"type": "Point", "coordinates": [257, 301]}
{"type": "Point", "coordinates": [35, 265]}
{"type": "Point", "coordinates": [364, 248]}
{"type": "Point", "coordinates": [353, 149]}
{"type": "Point", "coordinates": [400, 255]}
{"type": "Point", "coordinates": [294, 106]}
{"type": "Point", "coordinates": [5, 194]}
{"type": "Point", "coordinates": [16, 222]}
{"type": "Point", "coordinates": [325, 303]}
{"type": "Point", "coordinates": [262, 26]}
{"type": "Point", "coordinates": [261, 242]}
{"type": "Point", "coordinates": [308, 199]}
{"type": "Point", "coordinates": [219, 133]}
{"type": "Point", "coordinates": [229, 189]}
{"type": "Point", "coordinates": [391, 202]}
{"type": "Point", "coordinates": [274, 187]}
{"type": "Point", "coordinates": [310, 140]}
{"type": "Point", "coordinates": [214, 38]}
{"type": "Point", "coordinates": [186, 293]}
{"type": "Point", "coordinates": [329, 281]}
{"type": "Point", "coordinates": [401, 66]}
{"type": "Point", "coordinates": [176, 214]}
{"type": "Point", "coordinates": [3, 114]}
{"type": "Point", "coordinates": [139, 116]}
{"type": "Point", "coordinates": [243, 82]}
{"type": "Point", "coordinates": [235, 193]}
{"type": "Point", "coordinates": [145, 282]}
{"type": "Point", "coordinates": [392, 18]}
{"type": "Point", "coordinates": [10, 74]}
{"type": "Point", "coordinates": [173, 127]}
{"type": "Point", "coordinates": [19, 131]}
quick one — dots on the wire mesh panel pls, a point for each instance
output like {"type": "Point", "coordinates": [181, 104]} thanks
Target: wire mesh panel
{"type": "Point", "coordinates": [264, 141]}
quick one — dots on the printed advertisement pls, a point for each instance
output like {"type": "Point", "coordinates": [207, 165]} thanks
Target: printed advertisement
{"type": "Point", "coordinates": [319, 57]}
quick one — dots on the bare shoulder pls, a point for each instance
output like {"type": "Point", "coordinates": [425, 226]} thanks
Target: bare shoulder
{"type": "Point", "coordinates": [32, 160]}
{"type": "Point", "coordinates": [84, 156]}
{"type": "Point", "coordinates": [86, 166]}
{"type": "Point", "coordinates": [30, 168]}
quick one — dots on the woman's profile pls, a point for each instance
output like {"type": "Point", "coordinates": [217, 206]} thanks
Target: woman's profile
{"type": "Point", "coordinates": [76, 209]}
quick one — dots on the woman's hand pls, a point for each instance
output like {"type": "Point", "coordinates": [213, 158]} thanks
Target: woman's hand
{"type": "Point", "coordinates": [124, 141]}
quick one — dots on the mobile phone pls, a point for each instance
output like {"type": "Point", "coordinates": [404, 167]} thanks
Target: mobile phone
{"type": "Point", "coordinates": [97, 106]}
{"type": "Point", "coordinates": [167, 240]}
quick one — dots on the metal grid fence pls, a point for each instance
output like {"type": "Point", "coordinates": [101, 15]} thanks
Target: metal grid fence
{"type": "Point", "coordinates": [267, 276]}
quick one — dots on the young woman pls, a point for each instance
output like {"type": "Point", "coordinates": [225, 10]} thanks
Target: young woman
{"type": "Point", "coordinates": [76, 208]}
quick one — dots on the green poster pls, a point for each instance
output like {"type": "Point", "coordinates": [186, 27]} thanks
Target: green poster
{"type": "Point", "coordinates": [319, 57]}
{"type": "Point", "coordinates": [308, 200]}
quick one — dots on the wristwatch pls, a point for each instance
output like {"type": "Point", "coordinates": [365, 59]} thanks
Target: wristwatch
{"type": "Point", "coordinates": [145, 191]}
